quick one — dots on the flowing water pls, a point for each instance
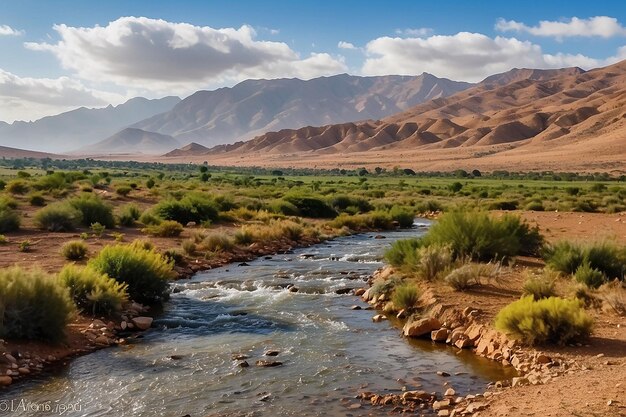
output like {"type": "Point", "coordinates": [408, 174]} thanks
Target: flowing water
{"type": "Point", "coordinates": [329, 352]}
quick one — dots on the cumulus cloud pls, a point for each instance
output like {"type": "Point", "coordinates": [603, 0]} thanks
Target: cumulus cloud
{"type": "Point", "coordinates": [463, 56]}
{"type": "Point", "coordinates": [31, 98]}
{"type": "Point", "coordinates": [161, 55]}
{"type": "Point", "coordinates": [6, 30]}
{"type": "Point", "coordinates": [598, 26]}
{"type": "Point", "coordinates": [345, 45]}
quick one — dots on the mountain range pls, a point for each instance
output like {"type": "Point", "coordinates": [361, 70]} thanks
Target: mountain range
{"type": "Point", "coordinates": [82, 127]}
{"type": "Point", "coordinates": [539, 116]}
{"type": "Point", "coordinates": [255, 107]}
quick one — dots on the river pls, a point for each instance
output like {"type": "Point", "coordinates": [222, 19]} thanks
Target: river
{"type": "Point", "coordinates": [329, 351]}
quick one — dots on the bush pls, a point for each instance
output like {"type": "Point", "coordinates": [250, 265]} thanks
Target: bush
{"type": "Point", "coordinates": [93, 210]}
{"type": "Point", "coordinates": [93, 291]}
{"type": "Point", "coordinates": [217, 242]}
{"type": "Point", "coordinates": [311, 206]}
{"type": "Point", "coordinates": [128, 215]}
{"type": "Point", "coordinates": [58, 217]}
{"type": "Point", "coordinates": [244, 236]}
{"type": "Point", "coordinates": [144, 271]}
{"type": "Point", "coordinates": [167, 228]}
{"type": "Point", "coordinates": [403, 252]}
{"type": "Point", "coordinates": [123, 190]}
{"type": "Point", "coordinates": [433, 260]}
{"type": "Point", "coordinates": [538, 288]}
{"type": "Point", "coordinates": [37, 200]}
{"type": "Point", "coordinates": [341, 203]}
{"type": "Point", "coordinates": [17, 187]}
{"type": "Point", "coordinates": [283, 207]}
{"type": "Point", "coordinates": [193, 207]}
{"type": "Point", "coordinates": [74, 250]}
{"type": "Point", "coordinates": [148, 219]}
{"type": "Point", "coordinates": [534, 206]}
{"type": "Point", "coordinates": [404, 217]}
{"type": "Point", "coordinates": [478, 236]}
{"type": "Point", "coordinates": [589, 276]}
{"type": "Point", "coordinates": [34, 305]}
{"type": "Point", "coordinates": [549, 320]}
{"type": "Point", "coordinates": [189, 247]}
{"type": "Point", "coordinates": [405, 296]}
{"type": "Point", "coordinates": [291, 230]}
{"type": "Point", "coordinates": [9, 219]}
{"type": "Point", "coordinates": [605, 257]}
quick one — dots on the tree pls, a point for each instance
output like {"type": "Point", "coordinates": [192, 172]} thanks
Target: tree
{"type": "Point", "coordinates": [476, 173]}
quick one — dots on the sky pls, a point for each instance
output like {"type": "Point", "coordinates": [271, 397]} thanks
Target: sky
{"type": "Point", "coordinates": [59, 55]}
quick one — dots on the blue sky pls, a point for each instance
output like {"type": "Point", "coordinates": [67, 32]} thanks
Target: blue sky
{"type": "Point", "coordinates": [57, 55]}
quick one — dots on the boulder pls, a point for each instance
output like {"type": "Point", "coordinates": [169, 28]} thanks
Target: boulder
{"type": "Point", "coordinates": [450, 392]}
{"type": "Point", "coordinates": [378, 317]}
{"type": "Point", "coordinates": [143, 323]}
{"type": "Point", "coordinates": [438, 405]}
{"type": "Point", "coordinates": [421, 327]}
{"type": "Point", "coordinates": [439, 335]}
{"type": "Point", "coordinates": [359, 292]}
{"type": "Point", "coordinates": [416, 396]}
{"type": "Point", "coordinates": [5, 380]}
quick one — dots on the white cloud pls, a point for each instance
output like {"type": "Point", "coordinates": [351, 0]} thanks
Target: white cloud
{"type": "Point", "coordinates": [598, 26]}
{"type": "Point", "coordinates": [464, 56]}
{"type": "Point", "coordinates": [6, 30]}
{"type": "Point", "coordinates": [24, 98]}
{"type": "Point", "coordinates": [419, 32]}
{"type": "Point", "coordinates": [345, 45]}
{"type": "Point", "coordinates": [164, 56]}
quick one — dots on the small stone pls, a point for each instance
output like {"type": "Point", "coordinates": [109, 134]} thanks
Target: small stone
{"type": "Point", "coordinates": [142, 323]}
{"type": "Point", "coordinates": [442, 373]}
{"type": "Point", "coordinates": [519, 381]}
{"type": "Point", "coordinates": [23, 371]}
{"type": "Point", "coordinates": [450, 392]}
{"type": "Point", "coordinates": [541, 358]}
{"type": "Point", "coordinates": [438, 405]}
{"type": "Point", "coordinates": [176, 357]}
{"type": "Point", "coordinates": [271, 353]}
{"type": "Point", "coordinates": [421, 327]}
{"type": "Point", "coordinates": [5, 381]}
{"type": "Point", "coordinates": [268, 364]}
{"type": "Point", "coordinates": [123, 325]}
{"type": "Point", "coordinates": [378, 318]}
{"type": "Point", "coordinates": [243, 364]}
{"type": "Point", "coordinates": [10, 358]}
{"type": "Point", "coordinates": [355, 307]}
{"type": "Point", "coordinates": [359, 292]}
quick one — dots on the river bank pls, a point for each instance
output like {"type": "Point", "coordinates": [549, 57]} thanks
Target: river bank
{"type": "Point", "coordinates": [584, 379]}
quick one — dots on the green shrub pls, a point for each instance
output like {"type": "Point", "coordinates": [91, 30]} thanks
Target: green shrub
{"type": "Point", "coordinates": [167, 228]}
{"type": "Point", "coordinates": [128, 215]}
{"type": "Point", "coordinates": [538, 288]}
{"type": "Point", "coordinates": [405, 296]}
{"type": "Point", "coordinates": [311, 206]}
{"type": "Point", "coordinates": [24, 246]}
{"type": "Point", "coordinates": [74, 250]}
{"type": "Point", "coordinates": [37, 200]}
{"type": "Point", "coordinates": [173, 256]}
{"type": "Point", "coordinates": [589, 276]}
{"type": "Point", "coordinates": [9, 219]}
{"type": "Point", "coordinates": [534, 206]}
{"type": "Point", "coordinates": [341, 203]}
{"type": "Point", "coordinates": [97, 229]}
{"type": "Point", "coordinates": [3, 239]}
{"type": "Point", "coordinates": [123, 190]}
{"type": "Point", "coordinates": [385, 287]}
{"type": "Point", "coordinates": [478, 236]}
{"type": "Point", "coordinates": [404, 217]}
{"type": "Point", "coordinates": [144, 271]}
{"type": "Point", "coordinates": [93, 210]}
{"type": "Point", "coordinates": [6, 201]}
{"type": "Point", "coordinates": [17, 187]}
{"type": "Point", "coordinates": [403, 252]}
{"type": "Point", "coordinates": [606, 257]}
{"type": "Point", "coordinates": [503, 205]}
{"type": "Point", "coordinates": [291, 230]}
{"type": "Point", "coordinates": [549, 320]}
{"type": "Point", "coordinates": [92, 291]}
{"type": "Point", "coordinates": [58, 217]}
{"type": "Point", "coordinates": [193, 207]}
{"type": "Point", "coordinates": [148, 219]}
{"type": "Point", "coordinates": [283, 207]}
{"type": "Point", "coordinates": [34, 305]}
{"type": "Point", "coordinates": [217, 242]}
